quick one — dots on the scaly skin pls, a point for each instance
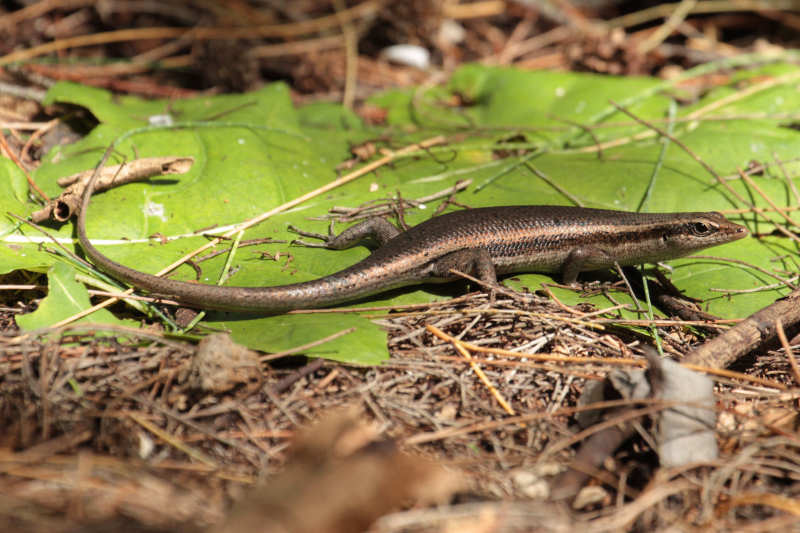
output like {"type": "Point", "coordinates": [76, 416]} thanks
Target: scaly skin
{"type": "Point", "coordinates": [482, 241]}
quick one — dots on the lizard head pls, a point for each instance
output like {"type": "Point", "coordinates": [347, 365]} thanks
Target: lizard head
{"type": "Point", "coordinates": [696, 231]}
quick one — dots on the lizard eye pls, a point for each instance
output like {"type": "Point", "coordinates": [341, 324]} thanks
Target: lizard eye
{"type": "Point", "coordinates": [700, 229]}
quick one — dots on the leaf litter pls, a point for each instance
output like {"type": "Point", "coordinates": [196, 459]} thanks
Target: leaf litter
{"type": "Point", "coordinates": [159, 450]}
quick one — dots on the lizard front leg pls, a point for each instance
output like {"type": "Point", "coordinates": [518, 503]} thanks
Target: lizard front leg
{"type": "Point", "coordinates": [577, 260]}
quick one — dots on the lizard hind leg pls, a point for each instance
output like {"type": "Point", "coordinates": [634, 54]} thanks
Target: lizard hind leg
{"type": "Point", "coordinates": [476, 262]}
{"type": "Point", "coordinates": [378, 230]}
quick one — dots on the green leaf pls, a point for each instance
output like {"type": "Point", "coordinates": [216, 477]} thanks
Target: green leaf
{"type": "Point", "coordinates": [366, 345]}
{"type": "Point", "coordinates": [550, 103]}
{"type": "Point", "coordinates": [65, 297]}
{"type": "Point", "coordinates": [521, 137]}
{"type": "Point", "coordinates": [15, 250]}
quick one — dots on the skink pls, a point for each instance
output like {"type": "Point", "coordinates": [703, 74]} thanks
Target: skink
{"type": "Point", "coordinates": [485, 242]}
